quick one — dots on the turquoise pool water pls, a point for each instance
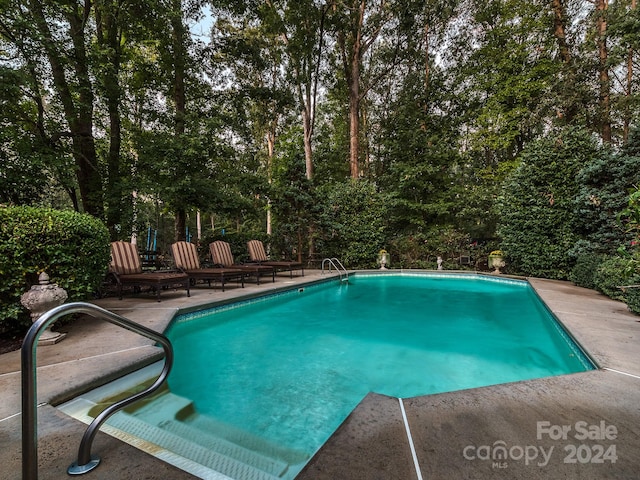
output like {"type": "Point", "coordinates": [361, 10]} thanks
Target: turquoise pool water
{"type": "Point", "coordinates": [290, 368]}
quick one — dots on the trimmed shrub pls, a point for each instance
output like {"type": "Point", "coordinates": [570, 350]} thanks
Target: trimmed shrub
{"type": "Point", "coordinates": [632, 297]}
{"type": "Point", "coordinates": [537, 211]}
{"type": "Point", "coordinates": [612, 273]}
{"type": "Point", "coordinates": [583, 272]}
{"type": "Point", "coordinates": [353, 223]}
{"type": "Point", "coordinates": [72, 248]}
{"type": "Point", "coordinates": [605, 183]}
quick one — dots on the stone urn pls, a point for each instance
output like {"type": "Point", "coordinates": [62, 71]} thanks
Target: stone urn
{"type": "Point", "coordinates": [39, 300]}
{"type": "Point", "coordinates": [383, 259]}
{"type": "Point", "coordinates": [496, 261]}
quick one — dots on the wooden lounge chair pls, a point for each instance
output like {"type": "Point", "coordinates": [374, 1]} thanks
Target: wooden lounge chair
{"type": "Point", "coordinates": [259, 256]}
{"type": "Point", "coordinates": [185, 256]}
{"type": "Point", "coordinates": [221, 255]}
{"type": "Point", "coordinates": [126, 268]}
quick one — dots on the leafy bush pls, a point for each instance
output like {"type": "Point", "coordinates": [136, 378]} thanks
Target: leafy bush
{"type": "Point", "coordinates": [584, 270]}
{"type": "Point", "coordinates": [613, 273]}
{"type": "Point", "coordinates": [630, 219]}
{"type": "Point", "coordinates": [422, 249]}
{"type": "Point", "coordinates": [293, 206]}
{"type": "Point", "coordinates": [353, 223]}
{"type": "Point", "coordinates": [72, 248]}
{"type": "Point", "coordinates": [411, 251]}
{"type": "Point", "coordinates": [632, 297]}
{"type": "Point", "coordinates": [536, 211]}
{"type": "Point", "coordinates": [603, 195]}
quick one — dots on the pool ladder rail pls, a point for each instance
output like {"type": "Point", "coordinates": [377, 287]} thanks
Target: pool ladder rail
{"type": "Point", "coordinates": [86, 462]}
{"type": "Point", "coordinates": [336, 264]}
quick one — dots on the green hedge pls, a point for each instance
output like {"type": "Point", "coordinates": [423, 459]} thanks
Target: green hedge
{"type": "Point", "coordinates": [353, 223]}
{"type": "Point", "coordinates": [632, 297]}
{"type": "Point", "coordinates": [584, 271]}
{"type": "Point", "coordinates": [72, 248]}
{"type": "Point", "coordinates": [612, 273]}
{"type": "Point", "coordinates": [537, 209]}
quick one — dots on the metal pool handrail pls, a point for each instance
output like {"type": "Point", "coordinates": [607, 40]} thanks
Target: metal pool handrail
{"type": "Point", "coordinates": [86, 462]}
{"type": "Point", "coordinates": [337, 264]}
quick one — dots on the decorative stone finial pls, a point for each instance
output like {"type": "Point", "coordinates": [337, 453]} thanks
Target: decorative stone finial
{"type": "Point", "coordinates": [40, 299]}
{"type": "Point", "coordinates": [383, 259]}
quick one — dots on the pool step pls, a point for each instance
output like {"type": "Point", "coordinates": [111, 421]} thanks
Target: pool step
{"type": "Point", "coordinates": [189, 448]}
{"type": "Point", "coordinates": [171, 429]}
{"type": "Point", "coordinates": [172, 406]}
{"type": "Point", "coordinates": [164, 406]}
{"type": "Point", "coordinates": [224, 447]}
{"type": "Point", "coordinates": [238, 436]}
{"type": "Point", "coordinates": [176, 414]}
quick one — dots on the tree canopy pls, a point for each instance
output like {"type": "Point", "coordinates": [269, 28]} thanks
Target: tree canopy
{"type": "Point", "coordinates": [249, 113]}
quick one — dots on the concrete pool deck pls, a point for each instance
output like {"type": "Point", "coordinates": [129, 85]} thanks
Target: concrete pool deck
{"type": "Point", "coordinates": [584, 425]}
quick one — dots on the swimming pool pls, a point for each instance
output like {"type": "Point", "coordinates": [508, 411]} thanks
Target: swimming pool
{"type": "Point", "coordinates": [290, 368]}
{"type": "Point", "coordinates": [277, 375]}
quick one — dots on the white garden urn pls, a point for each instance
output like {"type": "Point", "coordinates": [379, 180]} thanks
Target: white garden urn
{"type": "Point", "coordinates": [39, 300]}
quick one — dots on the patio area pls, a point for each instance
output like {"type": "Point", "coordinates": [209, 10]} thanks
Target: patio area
{"type": "Point", "coordinates": [585, 425]}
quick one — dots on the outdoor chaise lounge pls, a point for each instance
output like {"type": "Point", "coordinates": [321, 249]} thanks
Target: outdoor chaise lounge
{"type": "Point", "coordinates": [126, 268]}
{"type": "Point", "coordinates": [259, 256]}
{"type": "Point", "coordinates": [221, 255]}
{"type": "Point", "coordinates": [185, 256]}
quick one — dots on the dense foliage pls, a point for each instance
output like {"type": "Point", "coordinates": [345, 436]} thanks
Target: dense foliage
{"type": "Point", "coordinates": [614, 272]}
{"type": "Point", "coordinates": [353, 222]}
{"type": "Point", "coordinates": [72, 248]}
{"type": "Point", "coordinates": [604, 185]}
{"type": "Point", "coordinates": [537, 215]}
{"type": "Point", "coordinates": [571, 210]}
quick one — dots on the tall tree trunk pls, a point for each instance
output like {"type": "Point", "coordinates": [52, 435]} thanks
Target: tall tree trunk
{"type": "Point", "coordinates": [354, 93]}
{"type": "Point", "coordinates": [308, 147]}
{"type": "Point", "coordinates": [77, 103]}
{"type": "Point", "coordinates": [426, 59]}
{"type": "Point", "coordinates": [603, 71]}
{"type": "Point", "coordinates": [271, 148]}
{"type": "Point", "coordinates": [308, 115]}
{"type": "Point", "coordinates": [354, 117]}
{"type": "Point", "coordinates": [353, 45]}
{"type": "Point", "coordinates": [629, 88]}
{"type": "Point", "coordinates": [560, 30]}
{"type": "Point", "coordinates": [109, 38]}
{"type": "Point", "coordinates": [568, 109]}
{"type": "Point", "coordinates": [308, 101]}
{"type": "Point", "coordinates": [179, 98]}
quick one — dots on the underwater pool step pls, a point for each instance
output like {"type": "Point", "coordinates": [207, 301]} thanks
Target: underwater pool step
{"type": "Point", "coordinates": [211, 441]}
{"type": "Point", "coordinates": [180, 409]}
{"type": "Point", "coordinates": [170, 405]}
{"type": "Point", "coordinates": [188, 449]}
{"type": "Point", "coordinates": [252, 442]}
{"type": "Point", "coordinates": [164, 406]}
